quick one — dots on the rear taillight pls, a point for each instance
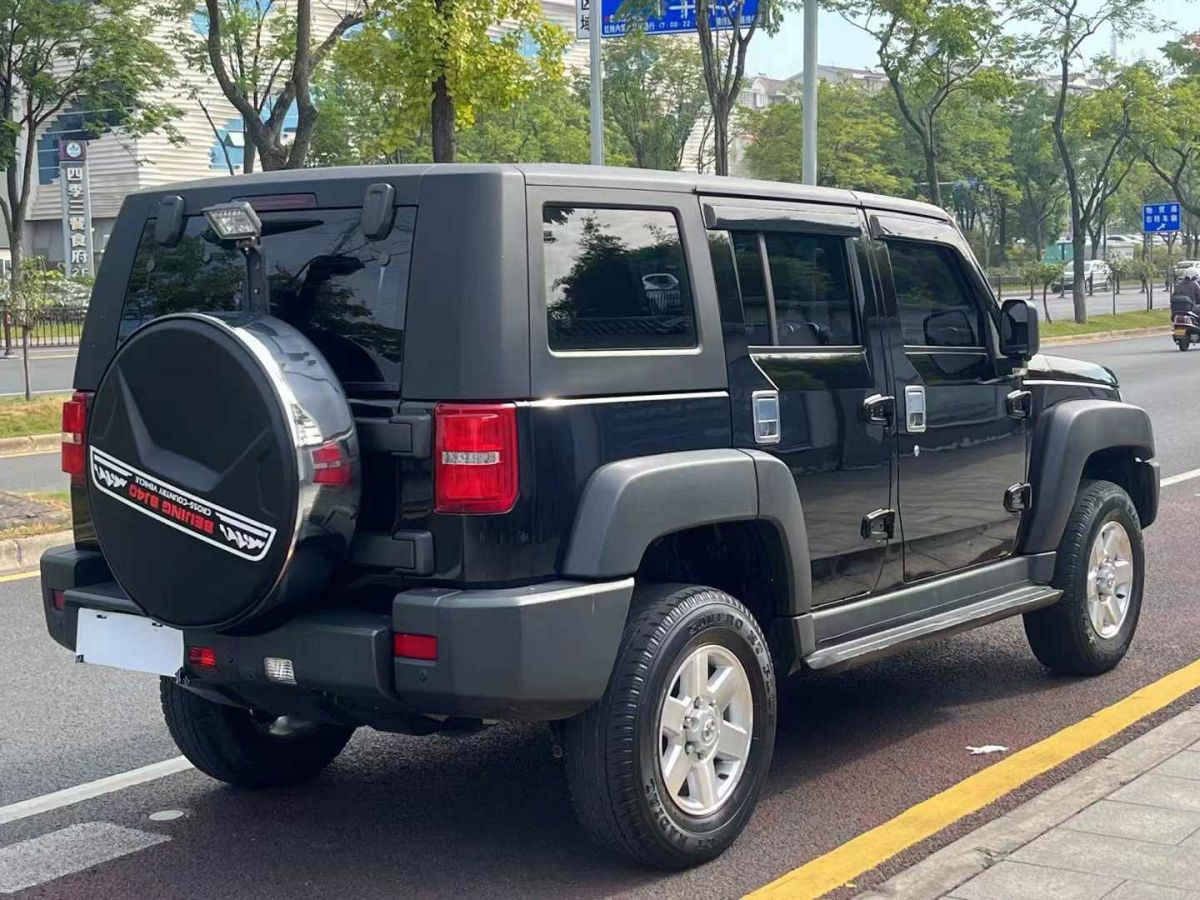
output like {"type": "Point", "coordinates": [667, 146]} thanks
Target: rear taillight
{"type": "Point", "coordinates": [74, 431]}
{"type": "Point", "coordinates": [330, 465]}
{"type": "Point", "coordinates": [475, 466]}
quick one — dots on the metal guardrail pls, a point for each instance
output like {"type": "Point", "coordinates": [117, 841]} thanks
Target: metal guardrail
{"type": "Point", "coordinates": [55, 326]}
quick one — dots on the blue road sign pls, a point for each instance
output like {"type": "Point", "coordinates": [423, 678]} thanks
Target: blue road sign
{"type": "Point", "coordinates": [1161, 218]}
{"type": "Point", "coordinates": [675, 16]}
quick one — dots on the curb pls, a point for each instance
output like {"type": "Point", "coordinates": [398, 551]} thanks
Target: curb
{"type": "Point", "coordinates": [30, 443]}
{"type": "Point", "coordinates": [1098, 336]}
{"type": "Point", "coordinates": [24, 552]}
{"type": "Point", "coordinates": [941, 872]}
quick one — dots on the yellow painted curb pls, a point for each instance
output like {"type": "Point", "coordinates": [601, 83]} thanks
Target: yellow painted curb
{"type": "Point", "coordinates": [875, 847]}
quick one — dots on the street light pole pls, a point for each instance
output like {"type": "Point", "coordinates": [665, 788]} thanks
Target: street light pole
{"type": "Point", "coordinates": [595, 23]}
{"type": "Point", "coordinates": [809, 136]}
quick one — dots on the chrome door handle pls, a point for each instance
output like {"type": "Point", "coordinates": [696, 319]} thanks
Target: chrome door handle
{"type": "Point", "coordinates": [765, 406]}
{"type": "Point", "coordinates": [914, 408]}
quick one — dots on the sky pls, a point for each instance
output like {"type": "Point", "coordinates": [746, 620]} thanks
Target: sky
{"type": "Point", "coordinates": [841, 44]}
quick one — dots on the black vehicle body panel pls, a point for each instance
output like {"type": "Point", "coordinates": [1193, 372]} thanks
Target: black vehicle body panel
{"type": "Point", "coordinates": [620, 450]}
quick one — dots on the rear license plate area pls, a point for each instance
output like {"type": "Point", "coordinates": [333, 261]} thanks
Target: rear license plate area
{"type": "Point", "coordinates": [128, 642]}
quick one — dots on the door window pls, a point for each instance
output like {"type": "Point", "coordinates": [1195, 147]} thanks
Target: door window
{"type": "Point", "coordinates": [809, 289]}
{"type": "Point", "coordinates": [935, 302]}
{"type": "Point", "coordinates": [814, 306]}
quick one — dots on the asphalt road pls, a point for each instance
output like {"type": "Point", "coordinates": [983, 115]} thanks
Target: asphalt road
{"type": "Point", "coordinates": [488, 814]}
{"type": "Point", "coordinates": [1098, 304]}
{"type": "Point", "coordinates": [49, 370]}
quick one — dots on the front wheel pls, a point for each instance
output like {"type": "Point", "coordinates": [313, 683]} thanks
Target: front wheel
{"type": "Point", "coordinates": [244, 748]}
{"type": "Point", "coordinates": [1100, 570]}
{"type": "Point", "coordinates": [667, 767]}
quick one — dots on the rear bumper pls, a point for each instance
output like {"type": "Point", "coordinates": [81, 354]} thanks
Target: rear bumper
{"type": "Point", "coordinates": [538, 652]}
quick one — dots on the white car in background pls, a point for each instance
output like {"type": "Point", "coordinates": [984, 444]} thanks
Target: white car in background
{"type": "Point", "coordinates": [1096, 275]}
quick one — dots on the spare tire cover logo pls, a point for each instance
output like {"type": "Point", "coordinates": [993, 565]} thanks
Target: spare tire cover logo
{"type": "Point", "coordinates": [223, 528]}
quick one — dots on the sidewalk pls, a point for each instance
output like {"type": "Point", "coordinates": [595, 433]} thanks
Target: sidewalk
{"type": "Point", "coordinates": [1126, 828]}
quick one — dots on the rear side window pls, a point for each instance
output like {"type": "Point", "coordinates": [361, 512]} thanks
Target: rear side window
{"type": "Point", "coordinates": [347, 294]}
{"type": "Point", "coordinates": [937, 307]}
{"type": "Point", "coordinates": [615, 279]}
{"type": "Point", "coordinates": [814, 306]}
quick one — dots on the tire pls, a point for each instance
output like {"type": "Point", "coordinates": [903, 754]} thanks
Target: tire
{"type": "Point", "coordinates": [1065, 636]}
{"type": "Point", "coordinates": [231, 745]}
{"type": "Point", "coordinates": [615, 750]}
{"type": "Point", "coordinates": [1184, 345]}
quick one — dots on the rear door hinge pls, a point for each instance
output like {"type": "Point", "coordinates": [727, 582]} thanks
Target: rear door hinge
{"type": "Point", "coordinates": [1016, 498]}
{"type": "Point", "coordinates": [879, 525]}
{"type": "Point", "coordinates": [1020, 404]}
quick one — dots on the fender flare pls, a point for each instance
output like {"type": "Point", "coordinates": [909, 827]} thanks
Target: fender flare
{"type": "Point", "coordinates": [1064, 437]}
{"type": "Point", "coordinates": [629, 503]}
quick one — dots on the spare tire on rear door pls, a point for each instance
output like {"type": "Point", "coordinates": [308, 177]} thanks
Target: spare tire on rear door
{"type": "Point", "coordinates": [223, 469]}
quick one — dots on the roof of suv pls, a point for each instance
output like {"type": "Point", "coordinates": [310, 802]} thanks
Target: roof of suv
{"type": "Point", "coordinates": [613, 177]}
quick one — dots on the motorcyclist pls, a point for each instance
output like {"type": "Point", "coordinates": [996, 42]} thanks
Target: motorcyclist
{"type": "Point", "coordinates": [1189, 286]}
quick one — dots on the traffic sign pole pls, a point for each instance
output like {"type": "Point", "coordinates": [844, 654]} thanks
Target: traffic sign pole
{"type": "Point", "coordinates": [809, 136]}
{"type": "Point", "coordinates": [595, 24]}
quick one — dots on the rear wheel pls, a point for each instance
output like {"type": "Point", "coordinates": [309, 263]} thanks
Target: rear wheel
{"type": "Point", "coordinates": [244, 748]}
{"type": "Point", "coordinates": [667, 767]}
{"type": "Point", "coordinates": [1100, 570]}
{"type": "Point", "coordinates": [1185, 344]}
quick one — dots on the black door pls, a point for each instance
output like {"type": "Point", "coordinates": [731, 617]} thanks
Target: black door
{"type": "Point", "coordinates": [799, 332]}
{"type": "Point", "coordinates": [961, 455]}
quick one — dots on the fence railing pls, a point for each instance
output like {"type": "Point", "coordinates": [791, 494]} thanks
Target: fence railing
{"type": "Point", "coordinates": [54, 326]}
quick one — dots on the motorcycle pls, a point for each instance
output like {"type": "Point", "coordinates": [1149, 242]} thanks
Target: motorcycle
{"type": "Point", "coordinates": [1185, 323]}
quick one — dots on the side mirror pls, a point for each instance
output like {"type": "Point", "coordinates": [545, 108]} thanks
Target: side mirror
{"type": "Point", "coordinates": [1019, 329]}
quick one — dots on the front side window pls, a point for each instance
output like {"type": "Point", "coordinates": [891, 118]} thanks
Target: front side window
{"type": "Point", "coordinates": [936, 305]}
{"type": "Point", "coordinates": [615, 279]}
{"type": "Point", "coordinates": [346, 293]}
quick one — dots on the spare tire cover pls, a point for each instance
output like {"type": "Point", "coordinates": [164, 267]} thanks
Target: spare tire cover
{"type": "Point", "coordinates": [200, 449]}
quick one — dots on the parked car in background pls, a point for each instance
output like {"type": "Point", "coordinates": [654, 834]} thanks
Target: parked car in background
{"type": "Point", "coordinates": [1096, 274]}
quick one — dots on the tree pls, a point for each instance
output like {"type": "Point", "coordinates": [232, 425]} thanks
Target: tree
{"type": "Point", "coordinates": [931, 50]}
{"type": "Point", "coordinates": [654, 95]}
{"type": "Point", "coordinates": [444, 60]}
{"type": "Point", "coordinates": [1064, 29]}
{"type": "Point", "coordinates": [70, 56]}
{"type": "Point", "coordinates": [853, 141]}
{"type": "Point", "coordinates": [1036, 168]}
{"type": "Point", "coordinates": [263, 56]}
{"type": "Point", "coordinates": [1171, 142]}
{"type": "Point", "coordinates": [549, 125]}
{"type": "Point", "coordinates": [723, 60]}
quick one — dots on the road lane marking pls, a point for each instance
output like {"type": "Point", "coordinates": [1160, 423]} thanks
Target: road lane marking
{"type": "Point", "coordinates": [68, 796]}
{"type": "Point", "coordinates": [873, 848]}
{"type": "Point", "coordinates": [19, 576]}
{"type": "Point", "coordinates": [1182, 476]}
{"type": "Point", "coordinates": [75, 848]}
{"type": "Point", "coordinates": [48, 391]}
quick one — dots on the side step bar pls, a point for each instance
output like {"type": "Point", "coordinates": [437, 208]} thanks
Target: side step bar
{"type": "Point", "coordinates": [856, 651]}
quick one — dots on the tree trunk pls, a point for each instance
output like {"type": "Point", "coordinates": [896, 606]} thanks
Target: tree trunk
{"type": "Point", "coordinates": [721, 140]}
{"type": "Point", "coordinates": [443, 122]}
{"type": "Point", "coordinates": [25, 360]}
{"type": "Point", "coordinates": [1046, 304]}
{"type": "Point", "coordinates": [247, 157]}
{"type": "Point", "coordinates": [931, 175]}
{"type": "Point", "coordinates": [1078, 243]}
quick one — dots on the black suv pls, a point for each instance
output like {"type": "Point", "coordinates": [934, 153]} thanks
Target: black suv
{"type": "Point", "coordinates": [426, 447]}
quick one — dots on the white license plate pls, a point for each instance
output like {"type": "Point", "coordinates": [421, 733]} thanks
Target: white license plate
{"type": "Point", "coordinates": [128, 642]}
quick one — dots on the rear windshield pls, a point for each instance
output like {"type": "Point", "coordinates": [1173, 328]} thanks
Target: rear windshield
{"type": "Point", "coordinates": [346, 293]}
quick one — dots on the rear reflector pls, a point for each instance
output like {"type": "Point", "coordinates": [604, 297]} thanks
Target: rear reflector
{"type": "Point", "coordinates": [74, 431]}
{"type": "Point", "coordinates": [330, 465]}
{"type": "Point", "coordinates": [415, 646]}
{"type": "Point", "coordinates": [58, 599]}
{"type": "Point", "coordinates": [475, 458]}
{"type": "Point", "coordinates": [202, 657]}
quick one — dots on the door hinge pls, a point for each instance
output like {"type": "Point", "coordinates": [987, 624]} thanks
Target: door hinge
{"type": "Point", "coordinates": [879, 410]}
{"type": "Point", "coordinates": [1017, 497]}
{"type": "Point", "coordinates": [879, 525]}
{"type": "Point", "coordinates": [1020, 404]}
